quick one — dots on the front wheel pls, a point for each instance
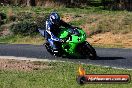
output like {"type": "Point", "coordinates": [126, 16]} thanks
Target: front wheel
{"type": "Point", "coordinates": [86, 50]}
{"type": "Point", "coordinates": [91, 51]}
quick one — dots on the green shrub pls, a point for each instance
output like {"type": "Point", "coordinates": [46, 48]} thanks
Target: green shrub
{"type": "Point", "coordinates": [24, 16]}
{"type": "Point", "coordinates": [24, 28]}
{"type": "Point", "coordinates": [40, 21]}
{"type": "Point", "coordinates": [2, 18]}
{"type": "Point", "coordinates": [28, 23]}
{"type": "Point", "coordinates": [11, 18]}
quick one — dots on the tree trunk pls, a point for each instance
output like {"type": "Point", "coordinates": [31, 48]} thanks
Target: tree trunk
{"type": "Point", "coordinates": [15, 2]}
{"type": "Point", "coordinates": [72, 1]}
{"type": "Point", "coordinates": [28, 3]}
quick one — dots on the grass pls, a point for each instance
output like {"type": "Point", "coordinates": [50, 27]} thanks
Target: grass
{"type": "Point", "coordinates": [62, 75]}
{"type": "Point", "coordinates": [93, 20]}
{"type": "Point", "coordinates": [108, 45]}
{"type": "Point", "coordinates": [18, 39]}
{"type": "Point", "coordinates": [40, 40]}
{"type": "Point", "coordinates": [62, 10]}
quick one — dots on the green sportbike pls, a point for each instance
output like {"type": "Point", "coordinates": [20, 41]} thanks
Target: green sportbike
{"type": "Point", "coordinates": [74, 45]}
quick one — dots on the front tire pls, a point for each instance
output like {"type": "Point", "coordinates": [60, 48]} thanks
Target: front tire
{"type": "Point", "coordinates": [86, 50]}
{"type": "Point", "coordinates": [91, 50]}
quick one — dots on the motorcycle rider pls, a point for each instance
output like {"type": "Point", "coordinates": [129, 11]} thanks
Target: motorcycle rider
{"type": "Point", "coordinates": [53, 24]}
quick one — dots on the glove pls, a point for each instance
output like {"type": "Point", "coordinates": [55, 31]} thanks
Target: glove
{"type": "Point", "coordinates": [75, 27]}
{"type": "Point", "coordinates": [61, 40]}
{"type": "Point", "coordinates": [71, 30]}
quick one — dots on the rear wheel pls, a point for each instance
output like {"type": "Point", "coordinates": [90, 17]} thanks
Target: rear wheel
{"type": "Point", "coordinates": [48, 48]}
{"type": "Point", "coordinates": [52, 51]}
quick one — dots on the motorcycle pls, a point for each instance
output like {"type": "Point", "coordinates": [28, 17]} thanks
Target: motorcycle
{"type": "Point", "coordinates": [74, 45]}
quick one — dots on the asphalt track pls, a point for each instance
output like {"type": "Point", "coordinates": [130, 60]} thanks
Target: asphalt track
{"type": "Point", "coordinates": [120, 58]}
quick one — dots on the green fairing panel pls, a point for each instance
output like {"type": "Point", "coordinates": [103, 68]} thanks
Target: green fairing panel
{"type": "Point", "coordinates": [79, 39]}
{"type": "Point", "coordinates": [72, 43]}
{"type": "Point", "coordinates": [63, 33]}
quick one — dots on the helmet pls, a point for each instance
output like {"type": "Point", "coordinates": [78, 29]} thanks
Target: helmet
{"type": "Point", "coordinates": [55, 18]}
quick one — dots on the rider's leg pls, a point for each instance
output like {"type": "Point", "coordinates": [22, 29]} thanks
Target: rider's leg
{"type": "Point", "coordinates": [47, 36]}
{"type": "Point", "coordinates": [52, 44]}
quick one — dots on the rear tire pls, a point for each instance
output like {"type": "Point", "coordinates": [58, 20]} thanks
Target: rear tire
{"type": "Point", "coordinates": [52, 51]}
{"type": "Point", "coordinates": [48, 48]}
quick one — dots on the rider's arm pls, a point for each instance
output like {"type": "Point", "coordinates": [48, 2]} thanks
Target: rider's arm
{"type": "Point", "coordinates": [65, 24]}
{"type": "Point", "coordinates": [53, 37]}
{"type": "Point", "coordinates": [48, 30]}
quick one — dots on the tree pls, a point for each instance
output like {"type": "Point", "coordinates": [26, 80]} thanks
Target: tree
{"type": "Point", "coordinates": [31, 3]}
{"type": "Point", "coordinates": [28, 2]}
